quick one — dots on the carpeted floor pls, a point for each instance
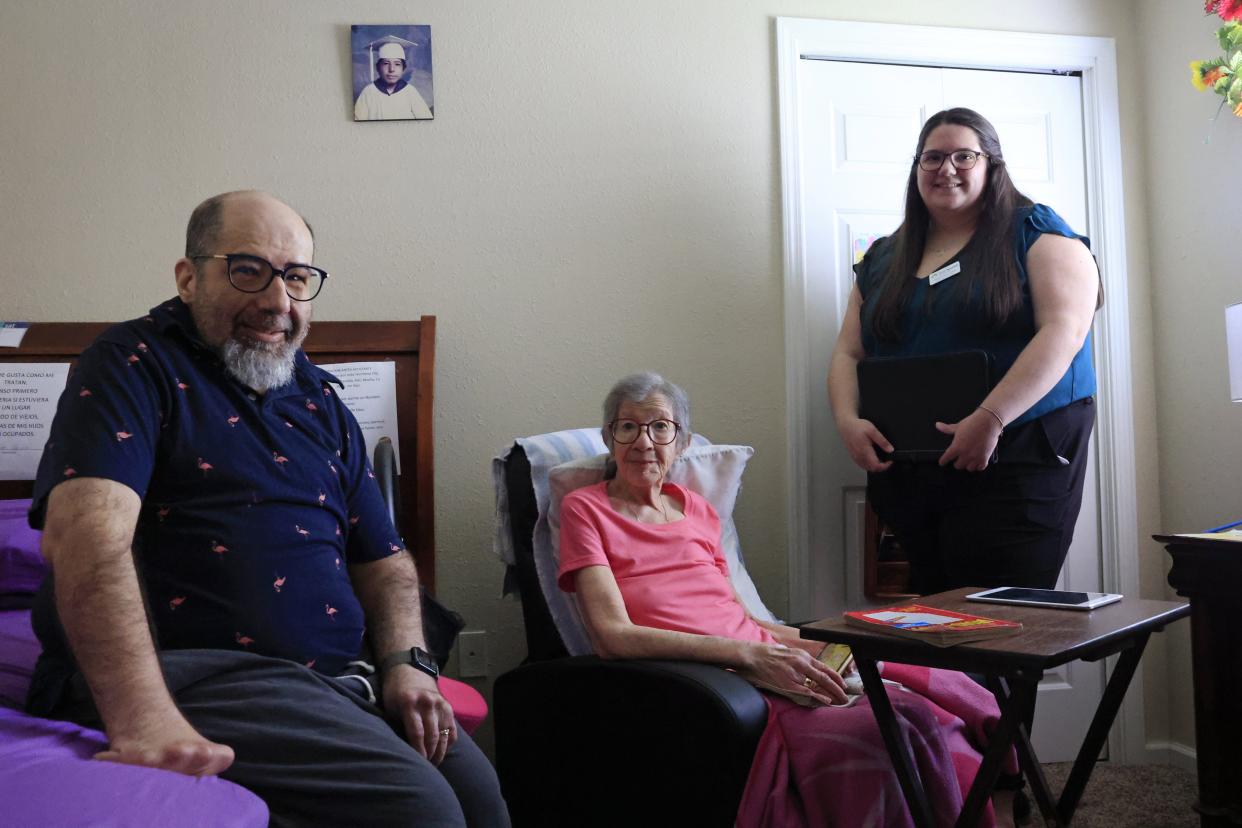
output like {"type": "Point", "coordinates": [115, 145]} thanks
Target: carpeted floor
{"type": "Point", "coordinates": [1131, 796]}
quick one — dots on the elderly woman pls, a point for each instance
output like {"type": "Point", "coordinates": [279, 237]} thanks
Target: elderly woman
{"type": "Point", "coordinates": [976, 265]}
{"type": "Point", "coordinates": [644, 557]}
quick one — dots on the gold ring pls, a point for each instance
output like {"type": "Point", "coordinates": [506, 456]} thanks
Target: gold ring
{"type": "Point", "coordinates": [808, 681]}
{"type": "Point", "coordinates": [446, 731]}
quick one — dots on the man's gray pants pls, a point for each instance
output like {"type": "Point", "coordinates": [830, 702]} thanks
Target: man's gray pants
{"type": "Point", "coordinates": [314, 749]}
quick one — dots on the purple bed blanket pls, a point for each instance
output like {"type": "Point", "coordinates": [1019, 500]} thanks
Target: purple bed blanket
{"type": "Point", "coordinates": [48, 778]}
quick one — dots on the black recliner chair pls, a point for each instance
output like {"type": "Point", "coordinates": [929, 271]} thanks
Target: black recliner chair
{"type": "Point", "coordinates": [587, 742]}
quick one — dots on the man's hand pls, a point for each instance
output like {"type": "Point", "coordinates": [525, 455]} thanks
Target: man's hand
{"type": "Point", "coordinates": [413, 697]}
{"type": "Point", "coordinates": [172, 745]}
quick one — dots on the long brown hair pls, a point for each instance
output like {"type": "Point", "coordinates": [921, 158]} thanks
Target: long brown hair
{"type": "Point", "coordinates": [996, 269]}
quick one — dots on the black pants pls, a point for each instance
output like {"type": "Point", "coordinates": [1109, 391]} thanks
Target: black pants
{"type": "Point", "coordinates": [313, 748]}
{"type": "Point", "coordinates": [1009, 525]}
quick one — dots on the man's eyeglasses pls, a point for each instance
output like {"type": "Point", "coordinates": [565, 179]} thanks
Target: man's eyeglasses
{"type": "Point", "coordinates": [661, 432]}
{"type": "Point", "coordinates": [963, 159]}
{"type": "Point", "coordinates": [252, 274]}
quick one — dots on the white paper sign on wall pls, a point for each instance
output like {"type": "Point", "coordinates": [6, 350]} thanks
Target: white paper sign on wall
{"type": "Point", "coordinates": [1233, 340]}
{"type": "Point", "coordinates": [28, 395]}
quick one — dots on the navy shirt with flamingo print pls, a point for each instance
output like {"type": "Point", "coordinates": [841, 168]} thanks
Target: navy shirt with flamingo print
{"type": "Point", "coordinates": [252, 505]}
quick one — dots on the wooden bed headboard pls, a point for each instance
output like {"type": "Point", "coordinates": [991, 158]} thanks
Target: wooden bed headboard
{"type": "Point", "coordinates": [411, 345]}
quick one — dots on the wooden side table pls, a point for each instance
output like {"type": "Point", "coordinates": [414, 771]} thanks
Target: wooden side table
{"type": "Point", "coordinates": [1013, 665]}
{"type": "Point", "coordinates": [1209, 573]}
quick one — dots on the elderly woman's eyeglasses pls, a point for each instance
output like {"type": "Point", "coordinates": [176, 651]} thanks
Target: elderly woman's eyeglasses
{"type": "Point", "coordinates": [661, 432]}
{"type": "Point", "coordinates": [963, 159]}
{"type": "Point", "coordinates": [252, 274]}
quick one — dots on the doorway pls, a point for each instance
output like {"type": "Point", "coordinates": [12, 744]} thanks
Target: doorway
{"type": "Point", "coordinates": [852, 104]}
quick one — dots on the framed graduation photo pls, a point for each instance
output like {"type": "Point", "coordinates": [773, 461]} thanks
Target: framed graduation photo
{"type": "Point", "coordinates": [392, 73]}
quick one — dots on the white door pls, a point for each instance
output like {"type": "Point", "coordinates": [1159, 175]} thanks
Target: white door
{"type": "Point", "coordinates": [858, 125]}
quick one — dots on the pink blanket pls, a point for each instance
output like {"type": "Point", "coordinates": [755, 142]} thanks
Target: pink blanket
{"type": "Point", "coordinates": [828, 766]}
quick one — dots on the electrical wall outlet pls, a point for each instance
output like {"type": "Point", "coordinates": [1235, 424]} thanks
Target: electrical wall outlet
{"type": "Point", "coordinates": [472, 653]}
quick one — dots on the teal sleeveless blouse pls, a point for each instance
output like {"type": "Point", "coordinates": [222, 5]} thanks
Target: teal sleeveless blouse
{"type": "Point", "coordinates": [943, 318]}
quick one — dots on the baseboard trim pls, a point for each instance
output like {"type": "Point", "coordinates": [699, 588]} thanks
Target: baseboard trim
{"type": "Point", "coordinates": [1170, 753]}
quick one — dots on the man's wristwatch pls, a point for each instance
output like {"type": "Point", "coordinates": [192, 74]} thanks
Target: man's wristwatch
{"type": "Point", "coordinates": [419, 658]}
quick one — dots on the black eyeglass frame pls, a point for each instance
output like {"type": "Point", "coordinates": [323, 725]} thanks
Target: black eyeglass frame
{"type": "Point", "coordinates": [229, 258]}
{"type": "Point", "coordinates": [918, 159]}
{"type": "Point", "coordinates": [612, 429]}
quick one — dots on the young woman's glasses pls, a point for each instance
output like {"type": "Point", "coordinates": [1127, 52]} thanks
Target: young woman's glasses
{"type": "Point", "coordinates": [661, 432]}
{"type": "Point", "coordinates": [962, 159]}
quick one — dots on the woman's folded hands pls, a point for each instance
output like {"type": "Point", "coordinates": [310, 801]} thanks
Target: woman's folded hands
{"type": "Point", "coordinates": [794, 670]}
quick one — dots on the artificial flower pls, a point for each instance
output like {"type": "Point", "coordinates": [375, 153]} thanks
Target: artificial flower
{"type": "Point", "coordinates": [1227, 9]}
{"type": "Point", "coordinates": [1223, 74]}
{"type": "Point", "coordinates": [1196, 75]}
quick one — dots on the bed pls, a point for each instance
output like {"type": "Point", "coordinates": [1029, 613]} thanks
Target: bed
{"type": "Point", "coordinates": [47, 775]}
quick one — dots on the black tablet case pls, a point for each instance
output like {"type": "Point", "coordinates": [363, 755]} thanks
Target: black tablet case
{"type": "Point", "coordinates": [905, 396]}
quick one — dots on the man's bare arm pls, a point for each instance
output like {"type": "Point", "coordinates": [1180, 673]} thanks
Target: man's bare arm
{"type": "Point", "coordinates": [87, 540]}
{"type": "Point", "coordinates": [388, 592]}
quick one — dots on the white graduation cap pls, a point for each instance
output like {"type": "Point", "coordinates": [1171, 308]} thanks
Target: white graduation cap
{"type": "Point", "coordinates": [386, 47]}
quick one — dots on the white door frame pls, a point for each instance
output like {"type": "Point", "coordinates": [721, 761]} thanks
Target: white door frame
{"type": "Point", "coordinates": [1095, 57]}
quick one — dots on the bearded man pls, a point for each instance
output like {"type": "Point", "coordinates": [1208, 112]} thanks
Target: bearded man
{"type": "Point", "coordinates": [200, 461]}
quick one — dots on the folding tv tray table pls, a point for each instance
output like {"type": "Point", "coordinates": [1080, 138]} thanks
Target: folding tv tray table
{"type": "Point", "coordinates": [1013, 665]}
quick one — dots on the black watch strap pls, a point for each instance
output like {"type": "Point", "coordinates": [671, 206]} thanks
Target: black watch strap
{"type": "Point", "coordinates": [416, 657]}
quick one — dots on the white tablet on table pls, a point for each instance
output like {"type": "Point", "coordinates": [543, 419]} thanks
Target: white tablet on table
{"type": "Point", "coordinates": [1059, 599]}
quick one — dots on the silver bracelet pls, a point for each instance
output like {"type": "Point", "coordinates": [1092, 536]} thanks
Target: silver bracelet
{"type": "Point", "coordinates": [997, 416]}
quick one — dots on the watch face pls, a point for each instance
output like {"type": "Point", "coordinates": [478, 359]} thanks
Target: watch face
{"type": "Point", "coordinates": [423, 659]}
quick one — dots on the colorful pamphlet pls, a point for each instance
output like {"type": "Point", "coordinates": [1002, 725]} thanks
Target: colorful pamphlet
{"type": "Point", "coordinates": [941, 627]}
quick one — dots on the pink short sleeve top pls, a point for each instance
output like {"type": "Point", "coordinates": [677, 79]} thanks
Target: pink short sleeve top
{"type": "Point", "coordinates": [672, 576]}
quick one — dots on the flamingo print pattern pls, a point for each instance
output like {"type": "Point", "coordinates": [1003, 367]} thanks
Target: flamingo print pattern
{"type": "Point", "coordinates": [208, 553]}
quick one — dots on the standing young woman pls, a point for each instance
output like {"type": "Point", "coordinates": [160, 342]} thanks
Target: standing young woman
{"type": "Point", "coordinates": [1026, 293]}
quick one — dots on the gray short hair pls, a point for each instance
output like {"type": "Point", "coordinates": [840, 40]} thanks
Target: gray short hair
{"type": "Point", "coordinates": [639, 387]}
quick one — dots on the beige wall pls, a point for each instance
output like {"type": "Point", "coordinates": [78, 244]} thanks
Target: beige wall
{"type": "Point", "coordinates": [1192, 180]}
{"type": "Point", "coordinates": [599, 192]}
